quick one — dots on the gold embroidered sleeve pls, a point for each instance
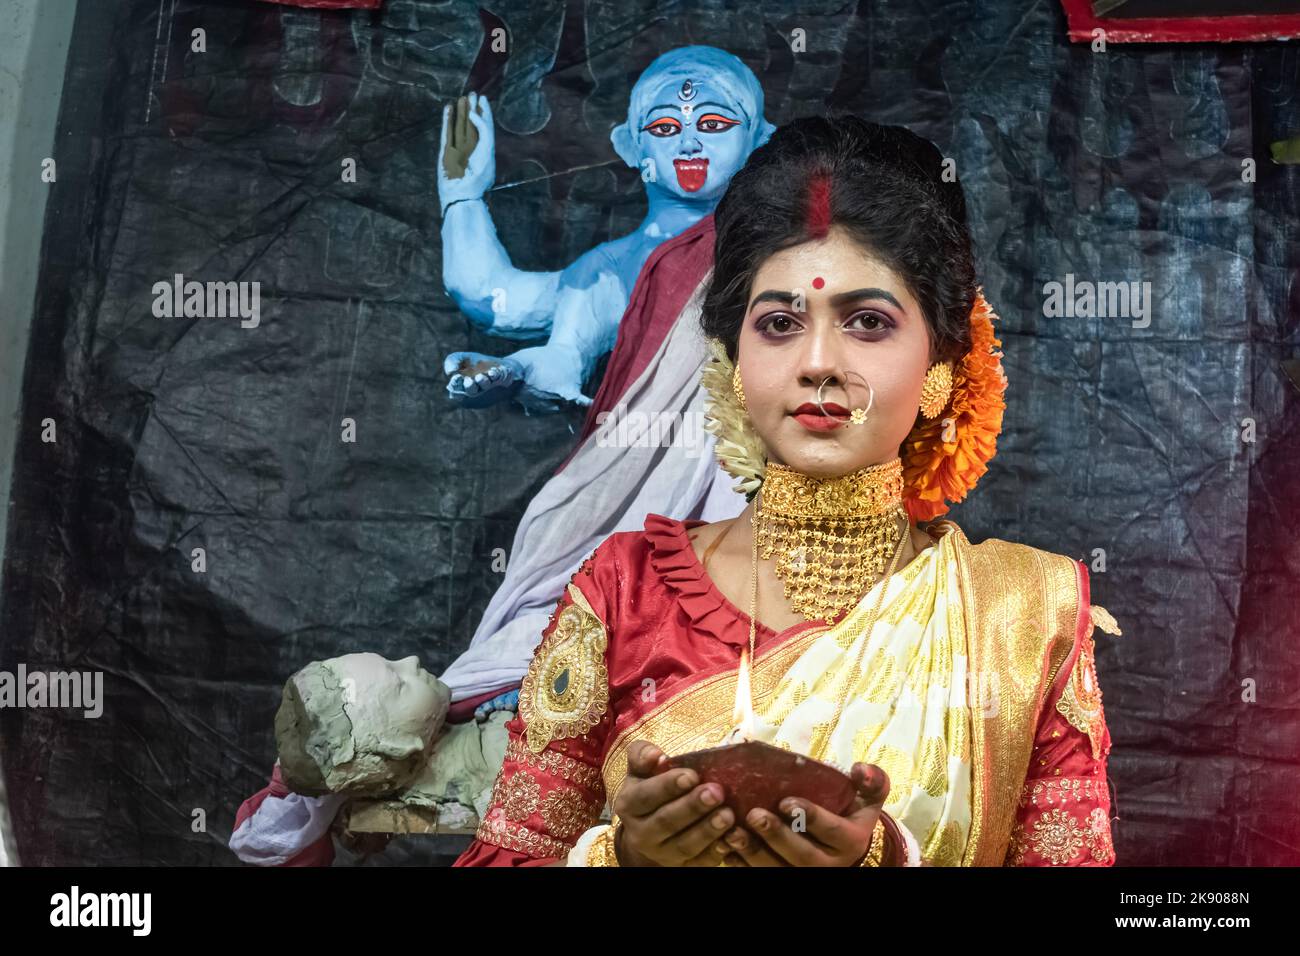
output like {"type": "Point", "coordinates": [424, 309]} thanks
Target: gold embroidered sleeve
{"type": "Point", "coordinates": [1063, 817]}
{"type": "Point", "coordinates": [541, 803]}
{"type": "Point", "coordinates": [1063, 821]}
{"type": "Point", "coordinates": [1080, 700]}
{"type": "Point", "coordinates": [566, 690]}
{"type": "Point", "coordinates": [550, 790]}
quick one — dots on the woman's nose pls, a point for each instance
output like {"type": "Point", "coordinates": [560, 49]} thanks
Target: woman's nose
{"type": "Point", "coordinates": [821, 357]}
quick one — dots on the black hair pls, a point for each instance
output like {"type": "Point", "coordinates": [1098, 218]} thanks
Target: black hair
{"type": "Point", "coordinates": [884, 184]}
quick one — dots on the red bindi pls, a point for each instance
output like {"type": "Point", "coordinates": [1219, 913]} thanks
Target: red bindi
{"type": "Point", "coordinates": [818, 282]}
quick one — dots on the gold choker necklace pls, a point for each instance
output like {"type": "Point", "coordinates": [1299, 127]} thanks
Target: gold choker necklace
{"type": "Point", "coordinates": [831, 536]}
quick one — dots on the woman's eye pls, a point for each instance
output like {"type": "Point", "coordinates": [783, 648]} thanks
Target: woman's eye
{"type": "Point", "coordinates": [774, 322]}
{"type": "Point", "coordinates": [877, 322]}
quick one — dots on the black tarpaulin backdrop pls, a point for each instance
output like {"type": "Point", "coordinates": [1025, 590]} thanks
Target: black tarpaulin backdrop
{"type": "Point", "coordinates": [184, 433]}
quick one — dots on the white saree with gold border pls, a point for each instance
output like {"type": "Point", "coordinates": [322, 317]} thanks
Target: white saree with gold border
{"type": "Point", "coordinates": [954, 673]}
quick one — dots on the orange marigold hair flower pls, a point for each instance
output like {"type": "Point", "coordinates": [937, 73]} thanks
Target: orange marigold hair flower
{"type": "Point", "coordinates": [943, 458]}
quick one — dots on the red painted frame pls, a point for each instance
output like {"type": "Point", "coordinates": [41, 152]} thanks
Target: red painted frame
{"type": "Point", "coordinates": [1244, 27]}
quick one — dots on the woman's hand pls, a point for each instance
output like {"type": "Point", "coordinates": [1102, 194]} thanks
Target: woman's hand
{"type": "Point", "coordinates": [667, 817]}
{"type": "Point", "coordinates": [811, 835]}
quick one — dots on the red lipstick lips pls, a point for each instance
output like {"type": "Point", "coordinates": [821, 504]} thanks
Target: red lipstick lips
{"type": "Point", "coordinates": [812, 417]}
{"type": "Point", "coordinates": [691, 173]}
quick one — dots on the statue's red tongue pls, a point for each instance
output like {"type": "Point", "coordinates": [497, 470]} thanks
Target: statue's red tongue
{"type": "Point", "coordinates": [691, 173]}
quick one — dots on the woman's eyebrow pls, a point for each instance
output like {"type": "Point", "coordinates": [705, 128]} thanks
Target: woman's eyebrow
{"type": "Point", "coordinates": [843, 297]}
{"type": "Point", "coordinates": [771, 295]}
{"type": "Point", "coordinates": [775, 295]}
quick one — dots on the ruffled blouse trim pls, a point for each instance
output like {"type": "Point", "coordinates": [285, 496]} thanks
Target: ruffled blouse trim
{"type": "Point", "coordinates": [674, 558]}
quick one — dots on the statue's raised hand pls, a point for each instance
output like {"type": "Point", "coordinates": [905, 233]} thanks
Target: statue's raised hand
{"type": "Point", "coordinates": [467, 164]}
{"type": "Point", "coordinates": [477, 380]}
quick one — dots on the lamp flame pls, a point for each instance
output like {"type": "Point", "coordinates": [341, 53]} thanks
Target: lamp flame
{"type": "Point", "coordinates": [742, 714]}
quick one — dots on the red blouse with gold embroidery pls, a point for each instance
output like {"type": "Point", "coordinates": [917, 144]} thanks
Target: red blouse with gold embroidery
{"type": "Point", "coordinates": [667, 626]}
{"type": "Point", "coordinates": [1064, 813]}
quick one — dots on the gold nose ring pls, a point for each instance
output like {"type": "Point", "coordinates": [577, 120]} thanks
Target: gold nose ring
{"type": "Point", "coordinates": [857, 416]}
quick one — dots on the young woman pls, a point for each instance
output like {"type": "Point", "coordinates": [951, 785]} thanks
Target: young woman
{"type": "Point", "coordinates": [855, 390]}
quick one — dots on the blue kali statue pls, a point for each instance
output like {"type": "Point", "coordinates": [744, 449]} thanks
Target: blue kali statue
{"type": "Point", "coordinates": [694, 116]}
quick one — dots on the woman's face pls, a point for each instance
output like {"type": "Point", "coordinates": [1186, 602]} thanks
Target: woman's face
{"type": "Point", "coordinates": [826, 308]}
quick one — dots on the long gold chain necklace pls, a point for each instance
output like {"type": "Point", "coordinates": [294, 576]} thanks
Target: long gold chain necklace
{"type": "Point", "coordinates": [868, 624]}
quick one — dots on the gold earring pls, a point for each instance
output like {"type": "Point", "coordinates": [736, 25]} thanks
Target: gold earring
{"type": "Point", "coordinates": [737, 388]}
{"type": "Point", "coordinates": [937, 389]}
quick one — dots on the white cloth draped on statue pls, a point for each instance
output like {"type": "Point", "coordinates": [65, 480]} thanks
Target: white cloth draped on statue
{"type": "Point", "coordinates": [609, 485]}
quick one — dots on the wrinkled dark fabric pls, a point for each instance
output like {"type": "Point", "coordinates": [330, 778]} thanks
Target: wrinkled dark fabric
{"type": "Point", "coordinates": [175, 434]}
{"type": "Point", "coordinates": [331, 4]}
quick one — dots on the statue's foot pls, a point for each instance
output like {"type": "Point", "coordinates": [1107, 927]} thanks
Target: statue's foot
{"type": "Point", "coordinates": [552, 378]}
{"type": "Point", "coordinates": [478, 381]}
{"type": "Point", "coordinates": [544, 402]}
